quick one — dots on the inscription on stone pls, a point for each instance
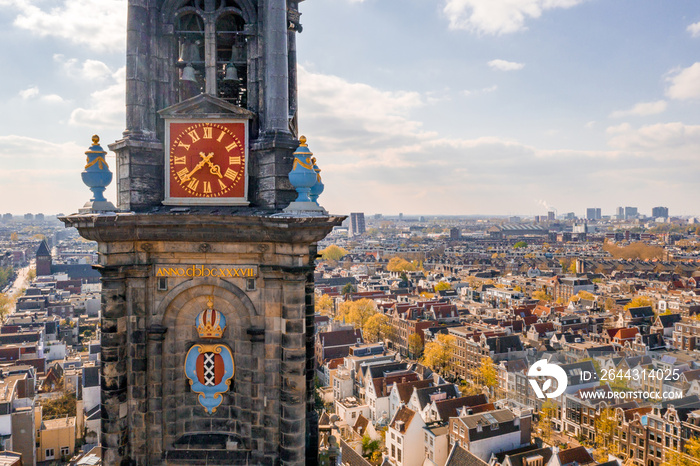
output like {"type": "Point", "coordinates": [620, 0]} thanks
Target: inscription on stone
{"type": "Point", "coordinates": [199, 271]}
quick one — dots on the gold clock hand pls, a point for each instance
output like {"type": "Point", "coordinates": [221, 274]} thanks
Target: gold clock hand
{"type": "Point", "coordinates": [213, 169]}
{"type": "Point", "coordinates": [204, 161]}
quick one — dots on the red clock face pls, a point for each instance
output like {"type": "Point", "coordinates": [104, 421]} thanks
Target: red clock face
{"type": "Point", "coordinates": [207, 160]}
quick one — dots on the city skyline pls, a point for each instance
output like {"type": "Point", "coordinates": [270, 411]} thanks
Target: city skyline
{"type": "Point", "coordinates": [458, 107]}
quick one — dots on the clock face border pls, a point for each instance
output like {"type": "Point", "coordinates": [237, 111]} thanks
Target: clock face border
{"type": "Point", "coordinates": [195, 200]}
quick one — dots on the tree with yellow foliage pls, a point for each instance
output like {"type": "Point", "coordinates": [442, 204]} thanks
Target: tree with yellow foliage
{"type": "Point", "coordinates": [375, 327]}
{"type": "Point", "coordinates": [333, 253]}
{"type": "Point", "coordinates": [542, 295]}
{"type": "Point", "coordinates": [437, 354]}
{"type": "Point", "coordinates": [442, 286]}
{"type": "Point", "coordinates": [689, 457]}
{"type": "Point", "coordinates": [356, 312]}
{"type": "Point", "coordinates": [605, 427]}
{"type": "Point", "coordinates": [398, 264]}
{"type": "Point", "coordinates": [324, 305]}
{"type": "Point", "coordinates": [547, 413]}
{"type": "Point", "coordinates": [639, 301]}
{"type": "Point", "coordinates": [415, 345]}
{"type": "Point", "coordinates": [6, 305]}
{"type": "Point", "coordinates": [487, 376]}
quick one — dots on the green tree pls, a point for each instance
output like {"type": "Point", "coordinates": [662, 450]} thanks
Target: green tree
{"type": "Point", "coordinates": [333, 253]}
{"type": "Point", "coordinates": [542, 295]}
{"type": "Point", "coordinates": [64, 405]}
{"type": "Point", "coordinates": [31, 275]}
{"type": "Point", "coordinates": [520, 244]}
{"type": "Point", "coordinates": [347, 288]}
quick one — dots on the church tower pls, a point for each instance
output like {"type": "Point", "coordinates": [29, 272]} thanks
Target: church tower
{"type": "Point", "coordinates": [207, 280]}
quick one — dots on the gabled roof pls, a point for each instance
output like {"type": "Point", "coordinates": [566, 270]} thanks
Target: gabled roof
{"type": "Point", "coordinates": [361, 424]}
{"type": "Point", "coordinates": [351, 457]}
{"type": "Point", "coordinates": [204, 105]}
{"type": "Point", "coordinates": [405, 390]}
{"type": "Point", "coordinates": [424, 394]}
{"type": "Point", "coordinates": [579, 455]}
{"type": "Point", "coordinates": [516, 459]}
{"type": "Point", "coordinates": [339, 337]}
{"type": "Point", "coordinates": [461, 457]}
{"type": "Point", "coordinates": [667, 320]}
{"type": "Point", "coordinates": [449, 408]}
{"type": "Point", "coordinates": [402, 419]}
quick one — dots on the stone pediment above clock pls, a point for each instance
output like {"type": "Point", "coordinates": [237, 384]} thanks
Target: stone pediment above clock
{"type": "Point", "coordinates": [205, 106]}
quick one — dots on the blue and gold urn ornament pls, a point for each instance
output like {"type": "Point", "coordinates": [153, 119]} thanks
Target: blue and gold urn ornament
{"type": "Point", "coordinates": [304, 177]}
{"type": "Point", "coordinates": [316, 189]}
{"type": "Point", "coordinates": [97, 177]}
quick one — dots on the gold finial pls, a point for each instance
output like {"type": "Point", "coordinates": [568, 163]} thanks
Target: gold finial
{"type": "Point", "coordinates": [313, 160]}
{"type": "Point", "coordinates": [95, 139]}
{"type": "Point", "coordinates": [302, 141]}
{"type": "Point", "coordinates": [210, 302]}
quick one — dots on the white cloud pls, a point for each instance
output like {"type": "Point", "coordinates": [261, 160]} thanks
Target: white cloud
{"type": "Point", "coordinates": [27, 148]}
{"type": "Point", "coordinates": [694, 29]}
{"type": "Point", "coordinates": [685, 83]}
{"type": "Point", "coordinates": [97, 24]}
{"type": "Point", "coordinates": [106, 108]}
{"type": "Point", "coordinates": [663, 140]}
{"type": "Point", "coordinates": [33, 92]}
{"type": "Point", "coordinates": [374, 152]}
{"type": "Point", "coordinates": [642, 109]}
{"type": "Point", "coordinates": [504, 65]}
{"type": "Point", "coordinates": [92, 70]}
{"type": "Point", "coordinates": [497, 17]}
{"type": "Point", "coordinates": [485, 90]}
{"type": "Point", "coordinates": [29, 93]}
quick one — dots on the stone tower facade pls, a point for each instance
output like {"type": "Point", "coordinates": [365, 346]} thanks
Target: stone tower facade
{"type": "Point", "coordinates": [207, 301]}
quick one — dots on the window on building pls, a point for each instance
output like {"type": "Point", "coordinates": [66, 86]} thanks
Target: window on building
{"type": "Point", "coordinates": [65, 451]}
{"type": "Point", "coordinates": [49, 454]}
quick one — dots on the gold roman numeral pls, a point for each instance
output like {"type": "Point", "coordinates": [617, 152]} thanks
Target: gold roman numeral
{"type": "Point", "coordinates": [180, 160]}
{"type": "Point", "coordinates": [193, 184]}
{"type": "Point", "coordinates": [186, 146]}
{"type": "Point", "coordinates": [183, 173]}
{"type": "Point", "coordinates": [207, 132]}
{"type": "Point", "coordinates": [234, 160]}
{"type": "Point", "coordinates": [231, 146]}
{"type": "Point", "coordinates": [193, 134]}
{"type": "Point", "coordinates": [221, 183]}
{"type": "Point", "coordinates": [207, 187]}
{"type": "Point", "coordinates": [231, 174]}
{"type": "Point", "coordinates": [221, 136]}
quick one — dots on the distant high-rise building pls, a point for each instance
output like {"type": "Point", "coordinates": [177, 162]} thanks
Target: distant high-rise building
{"type": "Point", "coordinates": [7, 217]}
{"type": "Point", "coordinates": [593, 213]}
{"type": "Point", "coordinates": [29, 216]}
{"type": "Point", "coordinates": [400, 216]}
{"type": "Point", "coordinates": [39, 217]}
{"type": "Point", "coordinates": [357, 224]}
{"type": "Point", "coordinates": [657, 212]}
{"type": "Point", "coordinates": [377, 216]}
{"type": "Point", "coordinates": [550, 216]}
{"type": "Point", "coordinates": [514, 220]}
{"type": "Point", "coordinates": [620, 213]}
{"type": "Point", "coordinates": [570, 216]}
{"type": "Point", "coordinates": [631, 212]}
{"type": "Point", "coordinates": [455, 233]}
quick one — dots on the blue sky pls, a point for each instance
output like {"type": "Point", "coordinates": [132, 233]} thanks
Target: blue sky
{"type": "Point", "coordinates": [413, 106]}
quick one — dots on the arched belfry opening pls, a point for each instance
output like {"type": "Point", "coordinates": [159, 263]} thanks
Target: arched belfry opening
{"type": "Point", "coordinates": [212, 50]}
